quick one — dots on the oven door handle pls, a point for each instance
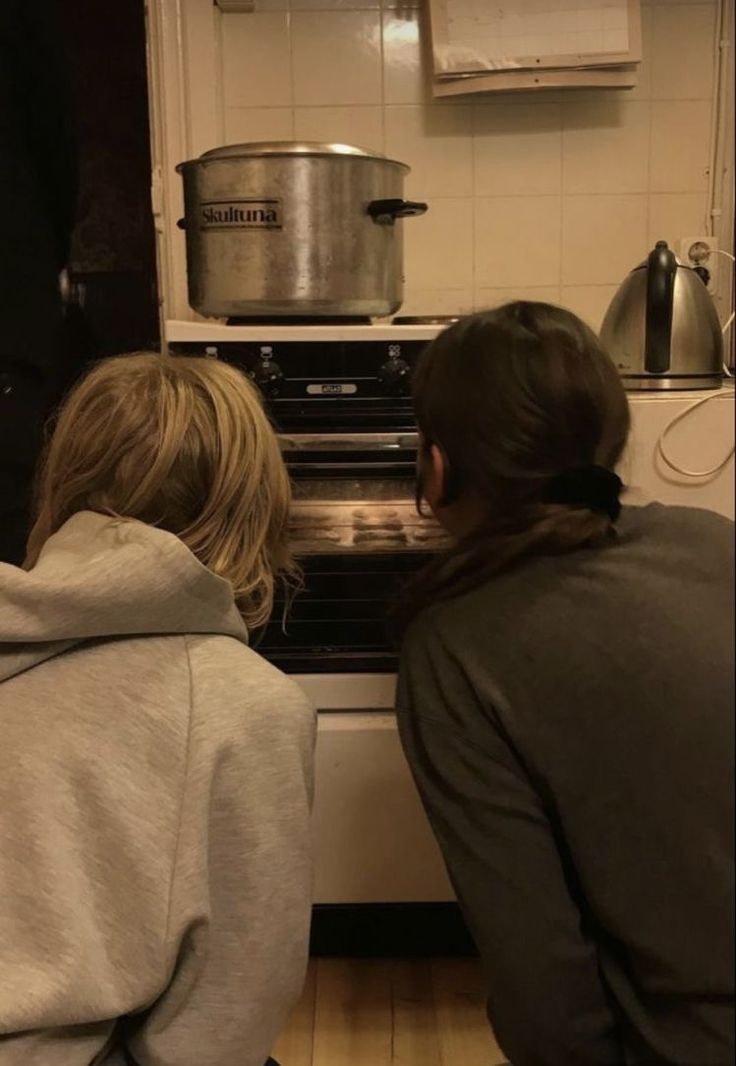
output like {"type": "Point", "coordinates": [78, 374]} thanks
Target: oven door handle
{"type": "Point", "coordinates": [394, 469]}
{"type": "Point", "coordinates": [346, 443]}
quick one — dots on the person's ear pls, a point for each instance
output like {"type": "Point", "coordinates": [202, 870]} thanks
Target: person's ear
{"type": "Point", "coordinates": [435, 476]}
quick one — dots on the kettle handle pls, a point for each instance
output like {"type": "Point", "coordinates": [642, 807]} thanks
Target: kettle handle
{"type": "Point", "coordinates": [661, 272]}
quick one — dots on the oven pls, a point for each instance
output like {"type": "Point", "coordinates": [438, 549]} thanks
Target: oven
{"type": "Point", "coordinates": [344, 420]}
{"type": "Point", "coordinates": [338, 397]}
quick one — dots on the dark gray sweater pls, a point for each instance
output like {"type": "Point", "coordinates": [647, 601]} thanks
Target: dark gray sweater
{"type": "Point", "coordinates": [570, 726]}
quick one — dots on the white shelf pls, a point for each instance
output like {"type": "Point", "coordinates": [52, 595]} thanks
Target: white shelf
{"type": "Point", "coordinates": [726, 392]}
{"type": "Point", "coordinates": [179, 331]}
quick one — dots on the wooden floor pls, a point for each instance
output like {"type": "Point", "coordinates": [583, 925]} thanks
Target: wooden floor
{"type": "Point", "coordinates": [376, 1012]}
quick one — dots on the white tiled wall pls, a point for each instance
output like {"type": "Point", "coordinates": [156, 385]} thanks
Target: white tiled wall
{"type": "Point", "coordinates": [554, 196]}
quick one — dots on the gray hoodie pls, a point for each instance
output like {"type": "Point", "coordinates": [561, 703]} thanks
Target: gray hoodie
{"type": "Point", "coordinates": [155, 783]}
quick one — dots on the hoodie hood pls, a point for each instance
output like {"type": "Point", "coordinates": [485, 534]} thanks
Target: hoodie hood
{"type": "Point", "coordinates": [102, 577]}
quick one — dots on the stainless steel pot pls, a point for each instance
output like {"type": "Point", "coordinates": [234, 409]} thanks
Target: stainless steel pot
{"type": "Point", "coordinates": [292, 229]}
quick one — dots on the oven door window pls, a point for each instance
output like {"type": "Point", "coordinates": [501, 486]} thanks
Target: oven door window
{"type": "Point", "coordinates": [356, 532]}
{"type": "Point", "coordinates": [359, 514]}
{"type": "Point", "coordinates": [340, 620]}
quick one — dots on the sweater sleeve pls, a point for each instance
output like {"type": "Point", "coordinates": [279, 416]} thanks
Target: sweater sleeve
{"type": "Point", "coordinates": [546, 1001]}
{"type": "Point", "coordinates": [240, 904]}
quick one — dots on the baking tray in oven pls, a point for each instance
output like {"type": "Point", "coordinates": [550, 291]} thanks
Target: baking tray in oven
{"type": "Point", "coordinates": [319, 526]}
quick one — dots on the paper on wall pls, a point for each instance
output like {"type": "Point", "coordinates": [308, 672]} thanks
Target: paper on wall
{"type": "Point", "coordinates": [487, 35]}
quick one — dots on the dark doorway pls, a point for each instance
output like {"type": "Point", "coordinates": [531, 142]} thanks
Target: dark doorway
{"type": "Point", "coordinates": [113, 259]}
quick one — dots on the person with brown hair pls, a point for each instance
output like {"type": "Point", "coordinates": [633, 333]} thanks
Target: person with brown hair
{"type": "Point", "coordinates": [565, 702]}
{"type": "Point", "coordinates": [155, 772]}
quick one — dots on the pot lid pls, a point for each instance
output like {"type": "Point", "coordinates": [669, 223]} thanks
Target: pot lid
{"type": "Point", "coordinates": [258, 149]}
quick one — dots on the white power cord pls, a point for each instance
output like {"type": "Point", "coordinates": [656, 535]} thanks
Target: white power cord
{"type": "Point", "coordinates": [726, 326]}
{"type": "Point", "coordinates": [713, 211]}
{"type": "Point", "coordinates": [729, 321]}
{"type": "Point", "coordinates": [671, 425]}
{"type": "Point", "coordinates": [719, 110]}
{"type": "Point", "coordinates": [718, 165]}
{"type": "Point", "coordinates": [699, 403]}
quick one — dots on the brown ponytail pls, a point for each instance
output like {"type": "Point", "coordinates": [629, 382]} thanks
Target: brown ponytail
{"type": "Point", "coordinates": [514, 398]}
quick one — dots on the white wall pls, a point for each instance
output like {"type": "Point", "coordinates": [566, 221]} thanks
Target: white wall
{"type": "Point", "coordinates": [554, 197]}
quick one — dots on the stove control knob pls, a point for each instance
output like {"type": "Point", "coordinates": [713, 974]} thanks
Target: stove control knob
{"type": "Point", "coordinates": [268, 375]}
{"type": "Point", "coordinates": [395, 376]}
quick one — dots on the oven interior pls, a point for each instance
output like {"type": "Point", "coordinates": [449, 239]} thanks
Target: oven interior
{"type": "Point", "coordinates": [359, 540]}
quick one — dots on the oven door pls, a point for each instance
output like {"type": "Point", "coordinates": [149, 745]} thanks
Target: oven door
{"type": "Point", "coordinates": [359, 539]}
{"type": "Point", "coordinates": [340, 620]}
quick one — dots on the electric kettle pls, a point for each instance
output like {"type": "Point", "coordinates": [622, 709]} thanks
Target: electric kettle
{"type": "Point", "coordinates": [662, 329]}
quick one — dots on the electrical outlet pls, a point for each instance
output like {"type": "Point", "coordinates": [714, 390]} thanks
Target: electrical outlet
{"type": "Point", "coordinates": [701, 252]}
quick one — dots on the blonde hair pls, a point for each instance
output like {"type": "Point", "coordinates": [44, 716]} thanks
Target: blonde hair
{"type": "Point", "coordinates": [182, 444]}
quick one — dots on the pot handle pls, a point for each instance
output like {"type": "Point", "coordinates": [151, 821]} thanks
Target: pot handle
{"type": "Point", "coordinates": [385, 212]}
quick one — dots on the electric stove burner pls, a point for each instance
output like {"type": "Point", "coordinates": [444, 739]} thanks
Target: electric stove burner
{"type": "Point", "coordinates": [302, 320]}
{"type": "Point", "coordinates": [424, 320]}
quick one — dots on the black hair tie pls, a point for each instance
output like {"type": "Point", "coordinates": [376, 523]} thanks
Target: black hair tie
{"type": "Point", "coordinates": [592, 487]}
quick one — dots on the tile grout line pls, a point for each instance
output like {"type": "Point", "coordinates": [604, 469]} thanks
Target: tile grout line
{"type": "Point", "coordinates": [562, 200]}
{"type": "Point", "coordinates": [648, 217]}
{"type": "Point", "coordinates": [381, 27]}
{"type": "Point", "coordinates": [220, 83]}
{"type": "Point", "coordinates": [292, 80]}
{"type": "Point", "coordinates": [494, 103]}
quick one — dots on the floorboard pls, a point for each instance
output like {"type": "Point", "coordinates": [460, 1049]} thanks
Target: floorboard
{"type": "Point", "coordinates": [353, 1016]}
{"type": "Point", "coordinates": [415, 1036]}
{"type": "Point", "coordinates": [390, 1012]}
{"type": "Point", "coordinates": [464, 1035]}
{"type": "Point", "coordinates": [294, 1046]}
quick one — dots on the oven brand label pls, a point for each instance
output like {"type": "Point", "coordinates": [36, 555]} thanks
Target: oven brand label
{"type": "Point", "coordinates": [240, 214]}
{"type": "Point", "coordinates": [336, 388]}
